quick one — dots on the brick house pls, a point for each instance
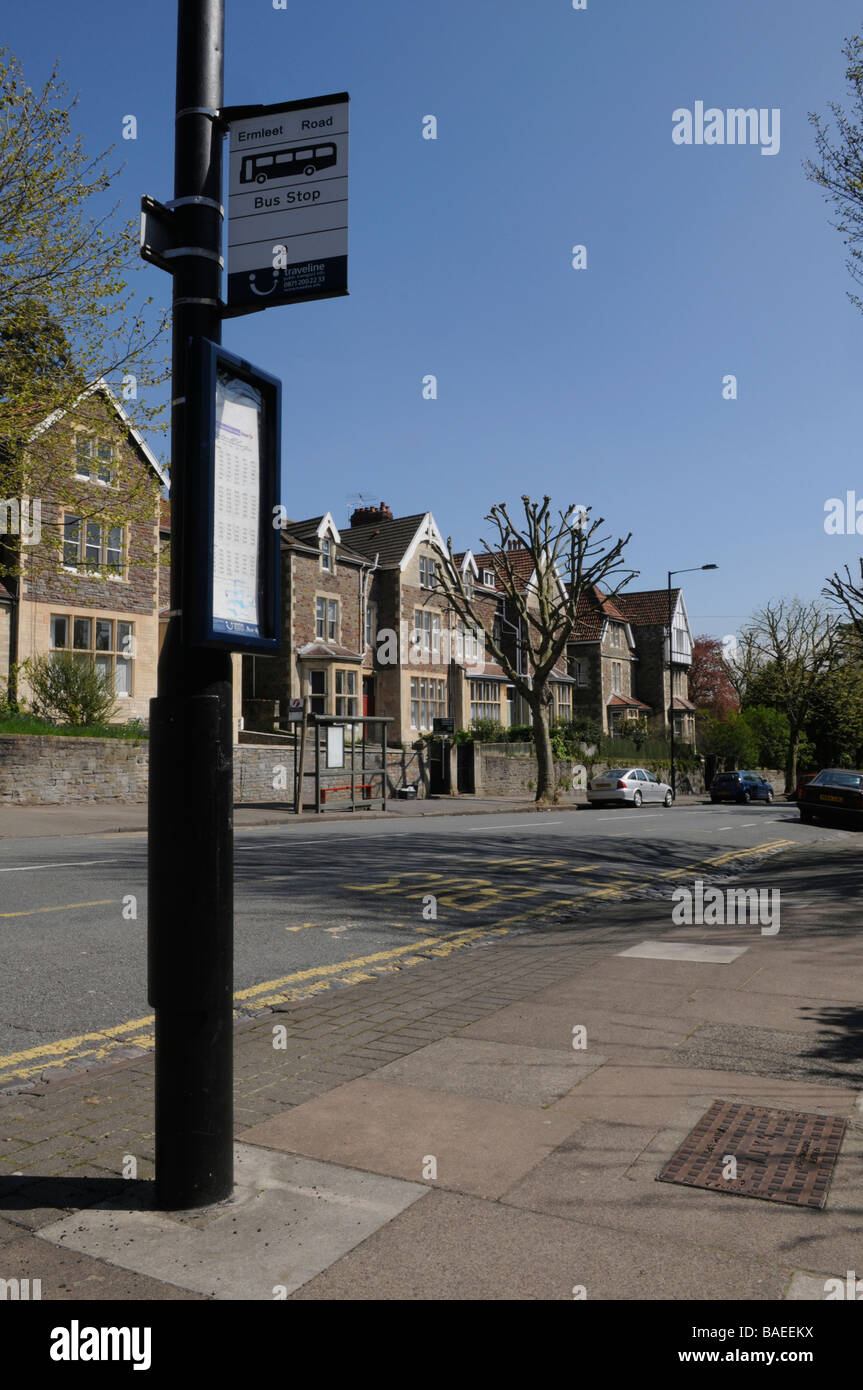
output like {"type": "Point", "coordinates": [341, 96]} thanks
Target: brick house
{"type": "Point", "coordinates": [90, 584]}
{"type": "Point", "coordinates": [663, 677]}
{"type": "Point", "coordinates": [604, 663]}
{"type": "Point", "coordinates": [618, 656]}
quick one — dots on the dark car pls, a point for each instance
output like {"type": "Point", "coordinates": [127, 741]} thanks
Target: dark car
{"type": "Point", "coordinates": [740, 786]}
{"type": "Point", "coordinates": [835, 794]}
{"type": "Point", "coordinates": [803, 780]}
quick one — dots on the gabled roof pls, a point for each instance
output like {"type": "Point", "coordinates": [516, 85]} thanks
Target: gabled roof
{"type": "Point", "coordinates": [393, 539]}
{"type": "Point", "coordinates": [593, 610]}
{"type": "Point", "coordinates": [101, 386]}
{"type": "Point", "coordinates": [649, 607]}
{"type": "Point", "coordinates": [627, 702]}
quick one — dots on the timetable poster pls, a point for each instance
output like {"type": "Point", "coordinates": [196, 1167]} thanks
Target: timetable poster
{"type": "Point", "coordinates": [236, 511]}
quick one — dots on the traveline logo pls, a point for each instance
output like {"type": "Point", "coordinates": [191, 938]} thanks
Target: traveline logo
{"type": "Point", "coordinates": [76, 1343]}
{"type": "Point", "coordinates": [734, 126]}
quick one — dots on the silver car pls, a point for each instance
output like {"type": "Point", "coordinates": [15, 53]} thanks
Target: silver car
{"type": "Point", "coordinates": [632, 785]}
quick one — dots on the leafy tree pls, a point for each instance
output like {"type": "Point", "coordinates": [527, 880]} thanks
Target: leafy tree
{"type": "Point", "coordinates": [793, 645]}
{"type": "Point", "coordinates": [835, 725]}
{"type": "Point", "coordinates": [730, 739]}
{"type": "Point", "coordinates": [567, 557]}
{"type": "Point", "coordinates": [68, 316]}
{"type": "Point", "coordinates": [709, 686]}
{"type": "Point", "coordinates": [838, 169]}
{"type": "Point", "coordinates": [771, 732]}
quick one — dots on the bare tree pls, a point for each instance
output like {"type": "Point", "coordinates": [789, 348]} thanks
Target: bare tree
{"type": "Point", "coordinates": [839, 167]}
{"type": "Point", "coordinates": [799, 643]}
{"type": "Point", "coordinates": [848, 595]}
{"type": "Point", "coordinates": [567, 557]}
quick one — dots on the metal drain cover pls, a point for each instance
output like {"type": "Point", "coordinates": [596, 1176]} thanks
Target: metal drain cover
{"type": "Point", "coordinates": [752, 1151]}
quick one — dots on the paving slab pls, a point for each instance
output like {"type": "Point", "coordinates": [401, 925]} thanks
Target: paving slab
{"type": "Point", "coordinates": [572, 1185]}
{"type": "Point", "coordinates": [289, 1219]}
{"type": "Point", "coordinates": [821, 982]}
{"type": "Point", "coordinates": [479, 1146]}
{"type": "Point", "coordinates": [518, 1075]}
{"type": "Point", "coordinates": [66, 1275]}
{"type": "Point", "coordinates": [793, 1013]}
{"type": "Point", "coordinates": [613, 1034]}
{"type": "Point", "coordinates": [697, 952]}
{"type": "Point", "coordinates": [459, 1248]}
{"type": "Point", "coordinates": [812, 1287]}
{"type": "Point", "coordinates": [772, 1052]}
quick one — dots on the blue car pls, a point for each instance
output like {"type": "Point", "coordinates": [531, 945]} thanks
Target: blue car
{"type": "Point", "coordinates": [740, 786]}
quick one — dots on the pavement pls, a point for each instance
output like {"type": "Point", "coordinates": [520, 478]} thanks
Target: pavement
{"type": "Point", "coordinates": [105, 818]}
{"type": "Point", "coordinates": [487, 1125]}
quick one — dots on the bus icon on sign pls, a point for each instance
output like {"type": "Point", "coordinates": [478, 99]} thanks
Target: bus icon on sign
{"type": "Point", "coordinates": [287, 164]}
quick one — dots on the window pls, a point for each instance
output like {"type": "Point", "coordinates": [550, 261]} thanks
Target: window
{"type": "Point", "coordinates": [427, 572]}
{"type": "Point", "coordinates": [371, 623]}
{"type": "Point", "coordinates": [90, 545]}
{"type": "Point", "coordinates": [563, 703]}
{"type": "Point", "coordinates": [614, 634]}
{"type": "Point", "coordinates": [428, 701]}
{"type": "Point", "coordinates": [580, 672]}
{"type": "Point", "coordinates": [327, 619]}
{"type": "Point", "coordinates": [427, 633]}
{"type": "Point", "coordinates": [326, 553]}
{"type": "Point", "coordinates": [467, 644]}
{"type": "Point", "coordinates": [93, 460]}
{"type": "Point", "coordinates": [485, 700]}
{"type": "Point", "coordinates": [468, 584]}
{"type": "Point", "coordinates": [615, 676]}
{"type": "Point", "coordinates": [318, 692]}
{"type": "Point", "coordinates": [346, 692]}
{"type": "Point", "coordinates": [71, 540]}
{"type": "Point", "coordinates": [109, 644]}
{"type": "Point", "coordinates": [488, 578]}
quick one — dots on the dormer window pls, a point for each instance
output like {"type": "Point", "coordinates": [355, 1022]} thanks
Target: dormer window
{"type": "Point", "coordinates": [326, 553]}
{"type": "Point", "coordinates": [468, 585]}
{"type": "Point", "coordinates": [488, 578]}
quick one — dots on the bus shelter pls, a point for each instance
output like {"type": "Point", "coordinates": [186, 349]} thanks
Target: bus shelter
{"type": "Point", "coordinates": [350, 756]}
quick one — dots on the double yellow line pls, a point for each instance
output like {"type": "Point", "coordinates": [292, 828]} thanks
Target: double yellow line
{"type": "Point", "coordinates": [101, 1045]}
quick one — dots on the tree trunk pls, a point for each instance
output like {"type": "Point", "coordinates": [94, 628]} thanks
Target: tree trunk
{"type": "Point", "coordinates": [791, 762]}
{"type": "Point", "coordinates": [545, 783]}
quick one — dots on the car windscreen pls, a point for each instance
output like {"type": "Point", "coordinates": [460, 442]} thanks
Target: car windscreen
{"type": "Point", "coordinates": [854, 780]}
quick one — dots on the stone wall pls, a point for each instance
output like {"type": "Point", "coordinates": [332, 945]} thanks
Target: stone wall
{"type": "Point", "coordinates": [47, 770]}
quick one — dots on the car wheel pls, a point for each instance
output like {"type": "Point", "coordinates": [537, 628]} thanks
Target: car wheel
{"type": "Point", "coordinates": [715, 800]}
{"type": "Point", "coordinates": [636, 799]}
{"type": "Point", "coordinates": [309, 170]}
{"type": "Point", "coordinates": [669, 797]}
{"type": "Point", "coordinates": [770, 798]}
{"type": "Point", "coordinates": [805, 815]}
{"type": "Point", "coordinates": [746, 798]}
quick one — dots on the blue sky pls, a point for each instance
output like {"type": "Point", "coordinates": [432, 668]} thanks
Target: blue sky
{"type": "Point", "coordinates": [601, 386]}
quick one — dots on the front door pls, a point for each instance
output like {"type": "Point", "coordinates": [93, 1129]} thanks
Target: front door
{"type": "Point", "coordinates": [368, 695]}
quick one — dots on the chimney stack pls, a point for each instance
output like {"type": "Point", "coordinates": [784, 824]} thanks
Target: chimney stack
{"type": "Point", "coordinates": [366, 516]}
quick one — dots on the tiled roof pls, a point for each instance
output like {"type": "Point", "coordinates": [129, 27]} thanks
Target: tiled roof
{"type": "Point", "coordinates": [387, 538]}
{"type": "Point", "coordinates": [679, 703]}
{"type": "Point", "coordinates": [624, 701]}
{"type": "Point", "coordinates": [648, 608]}
{"type": "Point", "coordinates": [5, 596]}
{"type": "Point", "coordinates": [593, 608]}
{"type": "Point", "coordinates": [519, 560]}
{"type": "Point", "coordinates": [327, 651]}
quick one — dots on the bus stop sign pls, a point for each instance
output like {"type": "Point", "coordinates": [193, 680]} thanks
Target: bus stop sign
{"type": "Point", "coordinates": [287, 203]}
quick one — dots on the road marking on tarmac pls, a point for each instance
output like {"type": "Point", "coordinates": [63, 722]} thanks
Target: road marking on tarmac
{"type": "Point", "coordinates": [90, 1048]}
{"type": "Point", "coordinates": [63, 907]}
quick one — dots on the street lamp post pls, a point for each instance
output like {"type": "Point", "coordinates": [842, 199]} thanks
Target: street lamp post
{"type": "Point", "coordinates": [691, 570]}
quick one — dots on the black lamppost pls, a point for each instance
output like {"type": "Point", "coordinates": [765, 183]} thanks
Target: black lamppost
{"type": "Point", "coordinates": [691, 570]}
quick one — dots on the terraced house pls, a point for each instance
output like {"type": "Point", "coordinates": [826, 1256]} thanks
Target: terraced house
{"type": "Point", "coordinates": [89, 582]}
